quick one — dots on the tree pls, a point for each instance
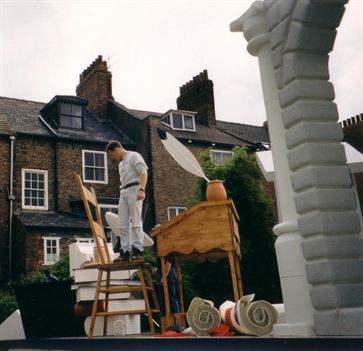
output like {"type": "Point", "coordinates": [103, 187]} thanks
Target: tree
{"type": "Point", "coordinates": [242, 180]}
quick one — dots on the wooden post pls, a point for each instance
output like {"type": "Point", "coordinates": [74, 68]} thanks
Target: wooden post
{"type": "Point", "coordinates": [239, 277]}
{"type": "Point", "coordinates": [233, 275]}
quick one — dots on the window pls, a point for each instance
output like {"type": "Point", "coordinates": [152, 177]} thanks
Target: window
{"type": "Point", "coordinates": [173, 211]}
{"type": "Point", "coordinates": [178, 120]}
{"type": "Point", "coordinates": [70, 116]}
{"type": "Point", "coordinates": [188, 122]}
{"type": "Point", "coordinates": [94, 166]}
{"type": "Point", "coordinates": [219, 156]}
{"type": "Point", "coordinates": [34, 189]}
{"type": "Point", "coordinates": [51, 250]}
{"type": "Point", "coordinates": [107, 208]}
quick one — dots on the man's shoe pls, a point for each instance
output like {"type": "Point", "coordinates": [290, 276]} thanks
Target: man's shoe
{"type": "Point", "coordinates": [117, 247]}
{"type": "Point", "coordinates": [136, 253]}
{"type": "Point", "coordinates": [124, 255]}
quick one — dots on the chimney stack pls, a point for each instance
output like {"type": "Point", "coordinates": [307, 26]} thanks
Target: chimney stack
{"type": "Point", "coordinates": [95, 85]}
{"type": "Point", "coordinates": [197, 95]}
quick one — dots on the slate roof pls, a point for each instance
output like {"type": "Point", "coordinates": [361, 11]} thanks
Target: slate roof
{"type": "Point", "coordinates": [53, 220]}
{"type": "Point", "coordinates": [23, 117]}
{"type": "Point", "coordinates": [139, 114]}
{"type": "Point", "coordinates": [5, 127]}
{"type": "Point", "coordinates": [204, 134]}
{"type": "Point", "coordinates": [251, 134]}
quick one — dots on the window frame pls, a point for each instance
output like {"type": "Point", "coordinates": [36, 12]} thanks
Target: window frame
{"type": "Point", "coordinates": [45, 255]}
{"type": "Point", "coordinates": [179, 209]}
{"type": "Point", "coordinates": [46, 194]}
{"type": "Point", "coordinates": [183, 114]}
{"type": "Point", "coordinates": [84, 151]}
{"type": "Point", "coordinates": [84, 240]}
{"type": "Point", "coordinates": [229, 152]}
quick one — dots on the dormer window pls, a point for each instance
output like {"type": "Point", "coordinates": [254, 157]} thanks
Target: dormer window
{"type": "Point", "coordinates": [65, 112]}
{"type": "Point", "coordinates": [70, 116]}
{"type": "Point", "coordinates": [179, 120]}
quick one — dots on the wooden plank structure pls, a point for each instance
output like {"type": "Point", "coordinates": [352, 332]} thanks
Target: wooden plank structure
{"type": "Point", "coordinates": [206, 231]}
{"type": "Point", "coordinates": [107, 265]}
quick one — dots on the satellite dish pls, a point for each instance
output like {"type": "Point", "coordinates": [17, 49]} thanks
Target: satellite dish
{"type": "Point", "coordinates": [113, 220]}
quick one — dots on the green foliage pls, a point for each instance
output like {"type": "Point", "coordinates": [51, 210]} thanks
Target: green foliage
{"type": "Point", "coordinates": [7, 304]}
{"type": "Point", "coordinates": [34, 277]}
{"type": "Point", "coordinates": [242, 180]}
{"type": "Point", "coordinates": [60, 269]}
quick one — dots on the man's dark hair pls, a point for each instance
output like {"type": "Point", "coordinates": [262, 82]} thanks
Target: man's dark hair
{"type": "Point", "coordinates": [112, 145]}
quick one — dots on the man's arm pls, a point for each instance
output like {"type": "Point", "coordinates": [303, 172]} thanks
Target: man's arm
{"type": "Point", "coordinates": [143, 180]}
{"type": "Point", "coordinates": [140, 168]}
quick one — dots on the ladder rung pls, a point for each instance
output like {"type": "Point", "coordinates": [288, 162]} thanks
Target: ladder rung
{"type": "Point", "coordinates": [121, 289]}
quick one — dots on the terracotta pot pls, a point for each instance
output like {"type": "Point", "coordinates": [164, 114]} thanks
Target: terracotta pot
{"type": "Point", "coordinates": [216, 191]}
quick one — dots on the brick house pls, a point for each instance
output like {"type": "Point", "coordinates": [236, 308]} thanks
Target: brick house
{"type": "Point", "coordinates": [53, 141]}
{"type": "Point", "coordinates": [194, 124]}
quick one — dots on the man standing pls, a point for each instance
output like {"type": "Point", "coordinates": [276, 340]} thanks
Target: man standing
{"type": "Point", "coordinates": [133, 178]}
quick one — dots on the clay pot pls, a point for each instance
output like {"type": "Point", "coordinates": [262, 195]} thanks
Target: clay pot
{"type": "Point", "coordinates": [216, 191]}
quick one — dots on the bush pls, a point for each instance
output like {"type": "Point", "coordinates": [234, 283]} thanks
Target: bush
{"type": "Point", "coordinates": [242, 179]}
{"type": "Point", "coordinates": [60, 269]}
{"type": "Point", "coordinates": [7, 304]}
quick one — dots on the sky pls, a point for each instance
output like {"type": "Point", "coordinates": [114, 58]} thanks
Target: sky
{"type": "Point", "coordinates": [152, 48]}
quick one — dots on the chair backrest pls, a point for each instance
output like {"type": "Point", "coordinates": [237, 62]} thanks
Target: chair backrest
{"type": "Point", "coordinates": [98, 233]}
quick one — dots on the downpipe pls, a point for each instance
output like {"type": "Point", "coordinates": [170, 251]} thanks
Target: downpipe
{"type": "Point", "coordinates": [11, 202]}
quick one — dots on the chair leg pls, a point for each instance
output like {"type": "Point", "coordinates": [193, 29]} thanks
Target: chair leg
{"type": "Point", "coordinates": [95, 304]}
{"type": "Point", "coordinates": [108, 276]}
{"type": "Point", "coordinates": [146, 298]}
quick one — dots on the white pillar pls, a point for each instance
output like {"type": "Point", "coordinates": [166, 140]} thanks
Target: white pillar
{"type": "Point", "coordinates": [295, 289]}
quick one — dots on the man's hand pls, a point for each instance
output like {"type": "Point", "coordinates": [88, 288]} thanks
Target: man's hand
{"type": "Point", "coordinates": [140, 195]}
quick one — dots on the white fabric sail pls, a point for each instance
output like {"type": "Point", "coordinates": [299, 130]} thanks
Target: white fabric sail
{"type": "Point", "coordinates": [182, 156]}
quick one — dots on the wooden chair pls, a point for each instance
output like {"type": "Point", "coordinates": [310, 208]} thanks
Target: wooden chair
{"type": "Point", "coordinates": [107, 265]}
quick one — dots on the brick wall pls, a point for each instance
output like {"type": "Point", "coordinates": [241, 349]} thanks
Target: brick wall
{"type": "Point", "coordinates": [40, 154]}
{"type": "Point", "coordinates": [4, 204]}
{"type": "Point", "coordinates": [95, 85]}
{"type": "Point", "coordinates": [33, 153]}
{"type": "Point", "coordinates": [69, 160]}
{"type": "Point", "coordinates": [34, 246]}
{"type": "Point", "coordinates": [37, 153]}
{"type": "Point", "coordinates": [172, 184]}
